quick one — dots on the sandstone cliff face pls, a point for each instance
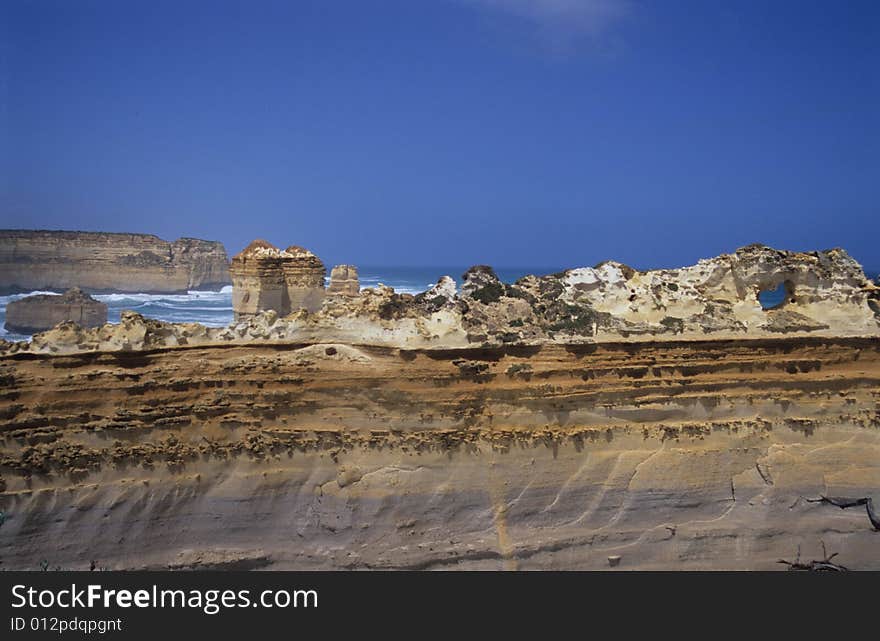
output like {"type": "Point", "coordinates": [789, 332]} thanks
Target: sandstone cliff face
{"type": "Point", "coordinates": [99, 262]}
{"type": "Point", "coordinates": [42, 312]}
{"type": "Point", "coordinates": [304, 277]}
{"type": "Point", "coordinates": [265, 278]}
{"type": "Point", "coordinates": [677, 455]}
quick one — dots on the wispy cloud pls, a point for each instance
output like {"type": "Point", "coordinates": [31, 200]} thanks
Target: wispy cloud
{"type": "Point", "coordinates": [563, 24]}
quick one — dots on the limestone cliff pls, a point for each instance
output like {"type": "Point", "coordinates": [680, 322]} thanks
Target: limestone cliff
{"type": "Point", "coordinates": [42, 312]}
{"type": "Point", "coordinates": [677, 455]}
{"type": "Point", "coordinates": [101, 262]}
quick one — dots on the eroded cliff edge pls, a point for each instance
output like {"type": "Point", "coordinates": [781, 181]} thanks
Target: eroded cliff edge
{"type": "Point", "coordinates": [826, 294]}
{"type": "Point", "coordinates": [285, 443]}
{"type": "Point", "coordinates": [108, 262]}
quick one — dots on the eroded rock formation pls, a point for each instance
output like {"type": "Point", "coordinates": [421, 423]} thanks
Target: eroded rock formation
{"type": "Point", "coordinates": [44, 311]}
{"type": "Point", "coordinates": [828, 295]}
{"type": "Point", "coordinates": [718, 296]}
{"type": "Point", "coordinates": [265, 278]}
{"type": "Point", "coordinates": [677, 455]}
{"type": "Point", "coordinates": [598, 418]}
{"type": "Point", "coordinates": [344, 281]}
{"type": "Point", "coordinates": [102, 262]}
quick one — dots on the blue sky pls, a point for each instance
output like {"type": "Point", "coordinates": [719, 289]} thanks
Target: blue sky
{"type": "Point", "coordinates": [437, 132]}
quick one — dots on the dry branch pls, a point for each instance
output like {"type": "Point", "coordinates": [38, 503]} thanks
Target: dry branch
{"type": "Point", "coordinates": [821, 565]}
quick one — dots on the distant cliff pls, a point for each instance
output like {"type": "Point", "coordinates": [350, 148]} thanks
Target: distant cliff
{"type": "Point", "coordinates": [97, 261]}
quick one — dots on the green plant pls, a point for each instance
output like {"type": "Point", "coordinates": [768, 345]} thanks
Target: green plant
{"type": "Point", "coordinates": [490, 293]}
{"type": "Point", "coordinates": [674, 324]}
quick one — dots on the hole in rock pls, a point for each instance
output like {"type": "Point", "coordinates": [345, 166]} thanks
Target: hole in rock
{"type": "Point", "coordinates": [776, 297]}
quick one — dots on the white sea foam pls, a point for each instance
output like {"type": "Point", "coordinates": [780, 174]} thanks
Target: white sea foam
{"type": "Point", "coordinates": [404, 287]}
{"type": "Point", "coordinates": [11, 297]}
{"type": "Point", "coordinates": [224, 294]}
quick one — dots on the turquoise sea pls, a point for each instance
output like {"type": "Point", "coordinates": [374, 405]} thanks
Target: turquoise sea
{"type": "Point", "coordinates": [214, 309]}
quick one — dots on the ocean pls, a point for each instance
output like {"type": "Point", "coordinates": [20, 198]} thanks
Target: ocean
{"type": "Point", "coordinates": [214, 309]}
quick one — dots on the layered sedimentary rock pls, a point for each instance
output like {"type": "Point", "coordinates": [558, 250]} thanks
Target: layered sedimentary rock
{"type": "Point", "coordinates": [304, 278]}
{"type": "Point", "coordinates": [44, 311]}
{"type": "Point", "coordinates": [99, 262]}
{"type": "Point", "coordinates": [265, 278]}
{"type": "Point", "coordinates": [344, 281]}
{"type": "Point", "coordinates": [257, 279]}
{"type": "Point", "coordinates": [677, 455]}
{"type": "Point", "coordinates": [596, 418]}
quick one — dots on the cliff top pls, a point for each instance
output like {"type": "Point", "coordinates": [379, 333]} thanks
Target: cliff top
{"type": "Point", "coordinates": [260, 248]}
{"type": "Point", "coordinates": [71, 234]}
{"type": "Point", "coordinates": [299, 252]}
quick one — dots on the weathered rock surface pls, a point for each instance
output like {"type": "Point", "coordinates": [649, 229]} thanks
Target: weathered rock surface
{"type": "Point", "coordinates": [445, 290]}
{"type": "Point", "coordinates": [304, 276]}
{"type": "Point", "coordinates": [676, 455]}
{"type": "Point", "coordinates": [344, 281]}
{"type": "Point", "coordinates": [265, 278]}
{"type": "Point", "coordinates": [44, 311]}
{"type": "Point", "coordinates": [100, 262]}
{"type": "Point", "coordinates": [825, 290]}
{"type": "Point", "coordinates": [828, 295]}
{"type": "Point", "coordinates": [874, 299]}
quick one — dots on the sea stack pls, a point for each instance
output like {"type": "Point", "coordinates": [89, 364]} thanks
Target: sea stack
{"type": "Point", "coordinates": [267, 278]}
{"type": "Point", "coordinates": [44, 311]}
{"type": "Point", "coordinates": [344, 281]}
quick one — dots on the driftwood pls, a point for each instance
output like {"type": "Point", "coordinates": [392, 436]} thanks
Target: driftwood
{"type": "Point", "coordinates": [822, 565]}
{"type": "Point", "coordinates": [845, 502]}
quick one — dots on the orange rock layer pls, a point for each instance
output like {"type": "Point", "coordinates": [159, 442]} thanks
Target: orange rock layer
{"type": "Point", "coordinates": [670, 455]}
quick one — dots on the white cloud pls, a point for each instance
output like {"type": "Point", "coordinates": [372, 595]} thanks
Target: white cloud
{"type": "Point", "coordinates": [562, 24]}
